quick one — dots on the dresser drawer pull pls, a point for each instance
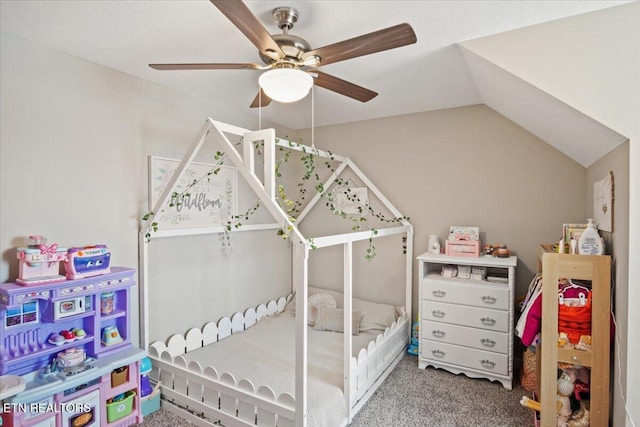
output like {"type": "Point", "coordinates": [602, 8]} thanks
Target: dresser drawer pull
{"type": "Point", "coordinates": [438, 333]}
{"type": "Point", "coordinates": [488, 321]}
{"type": "Point", "coordinates": [438, 353]}
{"type": "Point", "coordinates": [438, 313]}
{"type": "Point", "coordinates": [488, 364]}
{"type": "Point", "coordinates": [488, 299]}
{"type": "Point", "coordinates": [439, 293]}
{"type": "Point", "coordinates": [487, 342]}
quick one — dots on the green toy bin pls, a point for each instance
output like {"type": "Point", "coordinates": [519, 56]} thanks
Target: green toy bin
{"type": "Point", "coordinates": [121, 408]}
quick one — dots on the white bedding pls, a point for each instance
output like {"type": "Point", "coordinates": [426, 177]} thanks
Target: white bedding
{"type": "Point", "coordinates": [265, 355]}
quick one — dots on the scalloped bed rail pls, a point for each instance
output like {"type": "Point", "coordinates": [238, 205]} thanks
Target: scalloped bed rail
{"type": "Point", "coordinates": [205, 397]}
{"type": "Point", "coordinates": [211, 332]}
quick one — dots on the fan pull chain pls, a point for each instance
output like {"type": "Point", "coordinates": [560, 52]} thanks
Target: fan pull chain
{"type": "Point", "coordinates": [313, 104]}
{"type": "Point", "coordinates": [259, 108]}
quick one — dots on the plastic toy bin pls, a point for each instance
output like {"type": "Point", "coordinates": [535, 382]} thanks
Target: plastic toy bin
{"type": "Point", "coordinates": [119, 376]}
{"type": "Point", "coordinates": [150, 403]}
{"type": "Point", "coordinates": [118, 409]}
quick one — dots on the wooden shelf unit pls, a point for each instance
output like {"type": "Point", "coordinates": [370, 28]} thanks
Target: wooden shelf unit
{"type": "Point", "coordinates": [581, 267]}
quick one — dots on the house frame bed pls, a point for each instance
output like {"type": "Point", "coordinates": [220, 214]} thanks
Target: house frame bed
{"type": "Point", "coordinates": [204, 396]}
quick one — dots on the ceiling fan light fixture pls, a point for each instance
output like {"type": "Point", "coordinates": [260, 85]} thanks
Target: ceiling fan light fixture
{"type": "Point", "coordinates": [285, 84]}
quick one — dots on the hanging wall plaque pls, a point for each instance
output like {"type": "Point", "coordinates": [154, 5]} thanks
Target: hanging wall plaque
{"type": "Point", "coordinates": [603, 196]}
{"type": "Point", "coordinates": [205, 194]}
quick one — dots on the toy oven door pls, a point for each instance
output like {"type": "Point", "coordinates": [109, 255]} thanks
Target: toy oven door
{"type": "Point", "coordinates": [83, 411]}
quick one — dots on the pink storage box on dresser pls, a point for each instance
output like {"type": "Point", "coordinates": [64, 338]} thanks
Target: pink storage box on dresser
{"type": "Point", "coordinates": [463, 248]}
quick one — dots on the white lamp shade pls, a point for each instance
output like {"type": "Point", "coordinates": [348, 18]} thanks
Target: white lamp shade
{"type": "Point", "coordinates": [285, 84]}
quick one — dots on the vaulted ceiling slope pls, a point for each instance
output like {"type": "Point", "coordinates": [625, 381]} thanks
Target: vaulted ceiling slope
{"type": "Point", "coordinates": [575, 83]}
{"type": "Point", "coordinates": [432, 74]}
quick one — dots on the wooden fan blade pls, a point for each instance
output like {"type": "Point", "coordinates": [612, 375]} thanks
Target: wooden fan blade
{"type": "Point", "coordinates": [343, 87]}
{"type": "Point", "coordinates": [240, 16]}
{"type": "Point", "coordinates": [378, 41]}
{"type": "Point", "coordinates": [164, 67]}
{"type": "Point", "coordinates": [265, 100]}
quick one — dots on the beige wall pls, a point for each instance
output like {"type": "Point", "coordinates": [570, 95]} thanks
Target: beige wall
{"type": "Point", "coordinates": [466, 166]}
{"type": "Point", "coordinates": [74, 141]}
{"type": "Point", "coordinates": [617, 244]}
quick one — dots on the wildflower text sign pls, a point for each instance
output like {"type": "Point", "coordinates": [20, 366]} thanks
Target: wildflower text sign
{"type": "Point", "coordinates": [204, 196]}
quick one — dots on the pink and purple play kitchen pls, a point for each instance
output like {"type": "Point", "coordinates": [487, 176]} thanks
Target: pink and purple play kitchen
{"type": "Point", "coordinates": [63, 335]}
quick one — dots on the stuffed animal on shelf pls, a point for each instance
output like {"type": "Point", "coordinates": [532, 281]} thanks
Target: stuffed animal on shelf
{"type": "Point", "coordinates": [488, 250]}
{"type": "Point", "coordinates": [580, 418]}
{"type": "Point", "coordinates": [563, 340]}
{"type": "Point", "coordinates": [565, 389]}
{"type": "Point", "coordinates": [563, 404]}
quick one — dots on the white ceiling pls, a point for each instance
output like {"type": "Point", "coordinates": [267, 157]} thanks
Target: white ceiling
{"type": "Point", "coordinates": [432, 74]}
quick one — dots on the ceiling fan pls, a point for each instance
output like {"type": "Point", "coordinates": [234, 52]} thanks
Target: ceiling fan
{"type": "Point", "coordinates": [293, 56]}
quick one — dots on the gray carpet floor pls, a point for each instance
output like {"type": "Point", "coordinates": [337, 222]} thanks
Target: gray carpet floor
{"type": "Point", "coordinates": [432, 397]}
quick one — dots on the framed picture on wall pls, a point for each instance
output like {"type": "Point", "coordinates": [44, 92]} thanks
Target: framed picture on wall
{"type": "Point", "coordinates": [572, 231]}
{"type": "Point", "coordinates": [603, 202]}
{"type": "Point", "coordinates": [352, 201]}
{"type": "Point", "coordinates": [204, 196]}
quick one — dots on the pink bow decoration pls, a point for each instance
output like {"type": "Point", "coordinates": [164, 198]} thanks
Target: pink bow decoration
{"type": "Point", "coordinates": [48, 250]}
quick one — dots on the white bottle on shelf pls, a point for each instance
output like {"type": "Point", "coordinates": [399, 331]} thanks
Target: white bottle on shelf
{"type": "Point", "coordinates": [590, 242]}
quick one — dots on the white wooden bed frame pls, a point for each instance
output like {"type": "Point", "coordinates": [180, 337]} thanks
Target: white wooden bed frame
{"type": "Point", "coordinates": [204, 396]}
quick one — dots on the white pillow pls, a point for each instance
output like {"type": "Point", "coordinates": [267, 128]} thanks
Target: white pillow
{"type": "Point", "coordinates": [375, 316]}
{"type": "Point", "coordinates": [332, 319]}
{"type": "Point", "coordinates": [338, 296]}
{"type": "Point", "coordinates": [315, 303]}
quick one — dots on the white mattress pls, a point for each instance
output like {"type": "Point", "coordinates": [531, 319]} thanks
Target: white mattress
{"type": "Point", "coordinates": [265, 355]}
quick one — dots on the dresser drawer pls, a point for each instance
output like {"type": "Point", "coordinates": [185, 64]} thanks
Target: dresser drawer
{"type": "Point", "coordinates": [467, 292]}
{"type": "Point", "coordinates": [470, 337]}
{"type": "Point", "coordinates": [495, 320]}
{"type": "Point", "coordinates": [495, 363]}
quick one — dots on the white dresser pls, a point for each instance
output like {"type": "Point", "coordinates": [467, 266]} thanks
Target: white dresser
{"type": "Point", "coordinates": [466, 325]}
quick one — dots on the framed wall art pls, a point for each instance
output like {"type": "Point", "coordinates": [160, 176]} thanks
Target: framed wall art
{"type": "Point", "coordinates": [572, 231]}
{"type": "Point", "coordinates": [458, 233]}
{"type": "Point", "coordinates": [205, 194]}
{"type": "Point", "coordinates": [352, 201]}
{"type": "Point", "coordinates": [603, 196]}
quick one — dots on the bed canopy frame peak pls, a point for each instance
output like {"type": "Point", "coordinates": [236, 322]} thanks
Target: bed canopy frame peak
{"type": "Point", "coordinates": [265, 189]}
